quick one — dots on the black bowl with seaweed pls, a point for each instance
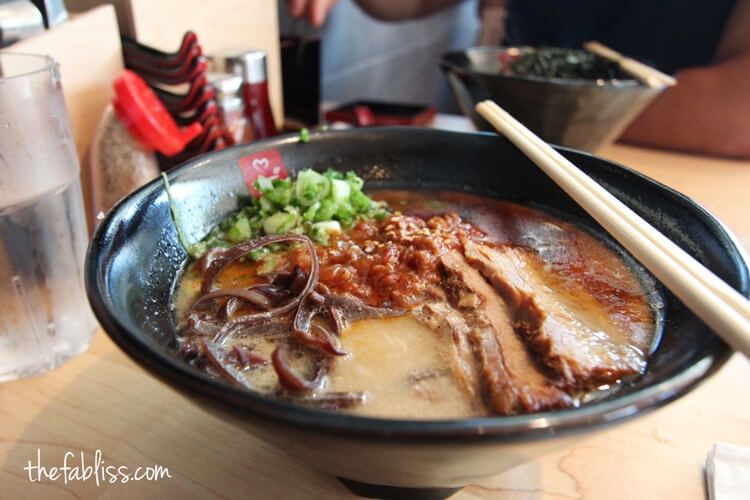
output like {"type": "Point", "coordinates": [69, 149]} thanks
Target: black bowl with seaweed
{"type": "Point", "coordinates": [568, 97]}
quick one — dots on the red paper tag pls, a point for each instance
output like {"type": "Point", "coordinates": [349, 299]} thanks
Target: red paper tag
{"type": "Point", "coordinates": [364, 116]}
{"type": "Point", "coordinates": [267, 163]}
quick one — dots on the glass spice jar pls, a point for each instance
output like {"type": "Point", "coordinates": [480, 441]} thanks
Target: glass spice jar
{"type": "Point", "coordinates": [236, 128]}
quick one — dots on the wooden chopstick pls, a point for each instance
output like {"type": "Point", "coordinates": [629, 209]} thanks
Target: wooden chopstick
{"type": "Point", "coordinates": [720, 306]}
{"type": "Point", "coordinates": [648, 75]}
{"type": "Point", "coordinates": [710, 279]}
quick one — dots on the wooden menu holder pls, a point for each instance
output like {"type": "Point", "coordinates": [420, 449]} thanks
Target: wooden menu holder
{"type": "Point", "coordinates": [221, 25]}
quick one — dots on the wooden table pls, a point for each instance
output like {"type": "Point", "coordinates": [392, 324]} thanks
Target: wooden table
{"type": "Point", "coordinates": [101, 401]}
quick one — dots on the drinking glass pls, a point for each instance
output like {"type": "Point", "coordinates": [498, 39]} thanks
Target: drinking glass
{"type": "Point", "coordinates": [44, 315]}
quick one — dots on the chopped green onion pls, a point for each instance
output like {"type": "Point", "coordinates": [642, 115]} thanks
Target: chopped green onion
{"type": "Point", "coordinates": [316, 204]}
{"type": "Point", "coordinates": [273, 223]}
{"type": "Point", "coordinates": [360, 201]}
{"type": "Point", "coordinates": [240, 230]}
{"type": "Point", "coordinates": [340, 191]}
{"type": "Point", "coordinates": [326, 211]}
{"type": "Point", "coordinates": [381, 215]}
{"type": "Point", "coordinates": [176, 220]}
{"type": "Point", "coordinates": [311, 187]}
{"type": "Point", "coordinates": [270, 262]}
{"type": "Point", "coordinates": [264, 183]}
{"type": "Point", "coordinates": [320, 235]}
{"type": "Point", "coordinates": [310, 212]}
{"type": "Point", "coordinates": [354, 181]}
{"type": "Point", "coordinates": [330, 226]}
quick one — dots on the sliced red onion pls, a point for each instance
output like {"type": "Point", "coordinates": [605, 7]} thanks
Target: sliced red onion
{"type": "Point", "coordinates": [316, 298]}
{"type": "Point", "coordinates": [208, 258]}
{"type": "Point", "coordinates": [238, 251]}
{"type": "Point", "coordinates": [304, 315]}
{"type": "Point", "coordinates": [228, 256]}
{"type": "Point", "coordinates": [229, 308]}
{"type": "Point", "coordinates": [283, 279]}
{"type": "Point", "coordinates": [255, 297]}
{"type": "Point", "coordinates": [278, 328]}
{"type": "Point", "coordinates": [298, 279]}
{"type": "Point", "coordinates": [320, 338]}
{"type": "Point", "coordinates": [198, 325]}
{"type": "Point", "coordinates": [216, 356]}
{"type": "Point", "coordinates": [190, 350]}
{"type": "Point", "coordinates": [328, 400]}
{"type": "Point", "coordinates": [247, 358]}
{"type": "Point", "coordinates": [354, 309]}
{"type": "Point", "coordinates": [304, 304]}
{"type": "Point", "coordinates": [247, 321]}
{"type": "Point", "coordinates": [338, 322]}
{"type": "Point", "coordinates": [287, 378]}
{"type": "Point", "coordinates": [274, 293]}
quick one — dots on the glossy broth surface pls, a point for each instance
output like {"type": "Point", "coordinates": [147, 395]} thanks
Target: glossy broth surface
{"type": "Point", "coordinates": [400, 364]}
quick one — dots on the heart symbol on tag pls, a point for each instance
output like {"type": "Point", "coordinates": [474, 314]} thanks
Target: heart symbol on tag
{"type": "Point", "coordinates": [266, 163]}
{"type": "Point", "coordinates": [260, 164]}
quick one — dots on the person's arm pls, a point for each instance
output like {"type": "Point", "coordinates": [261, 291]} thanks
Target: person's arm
{"type": "Point", "coordinates": [493, 14]}
{"type": "Point", "coordinates": [708, 111]}
{"type": "Point", "coordinates": [316, 11]}
{"type": "Point", "coordinates": [397, 10]}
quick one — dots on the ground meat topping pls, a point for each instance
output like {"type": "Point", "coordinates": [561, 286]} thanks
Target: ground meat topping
{"type": "Point", "coordinates": [393, 263]}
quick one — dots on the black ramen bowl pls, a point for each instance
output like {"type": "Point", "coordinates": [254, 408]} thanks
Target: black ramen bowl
{"type": "Point", "coordinates": [135, 255]}
{"type": "Point", "coordinates": [581, 114]}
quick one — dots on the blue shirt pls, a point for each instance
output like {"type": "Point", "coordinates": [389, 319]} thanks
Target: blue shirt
{"type": "Point", "coordinates": [668, 34]}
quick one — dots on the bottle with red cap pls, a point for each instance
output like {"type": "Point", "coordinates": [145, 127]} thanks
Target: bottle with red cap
{"type": "Point", "coordinates": [146, 118]}
{"type": "Point", "coordinates": [132, 127]}
{"type": "Point", "coordinates": [251, 65]}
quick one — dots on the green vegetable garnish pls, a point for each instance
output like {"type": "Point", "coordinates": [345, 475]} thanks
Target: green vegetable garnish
{"type": "Point", "coordinates": [194, 251]}
{"type": "Point", "coordinates": [316, 204]}
{"type": "Point", "coordinates": [304, 135]}
{"type": "Point", "coordinates": [311, 187]}
{"type": "Point", "coordinates": [571, 64]}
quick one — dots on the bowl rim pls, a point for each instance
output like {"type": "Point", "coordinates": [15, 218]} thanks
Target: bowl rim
{"type": "Point", "coordinates": [611, 83]}
{"type": "Point", "coordinates": [517, 428]}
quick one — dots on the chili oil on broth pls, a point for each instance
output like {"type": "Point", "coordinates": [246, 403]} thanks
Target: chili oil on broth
{"type": "Point", "coordinates": [400, 363]}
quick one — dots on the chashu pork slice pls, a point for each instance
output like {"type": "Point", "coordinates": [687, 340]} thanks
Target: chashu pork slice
{"type": "Point", "coordinates": [512, 379]}
{"type": "Point", "coordinates": [458, 350]}
{"type": "Point", "coordinates": [579, 336]}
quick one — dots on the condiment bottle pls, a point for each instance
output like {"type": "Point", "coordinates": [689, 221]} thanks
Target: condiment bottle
{"type": "Point", "coordinates": [132, 127]}
{"type": "Point", "coordinates": [251, 65]}
{"type": "Point", "coordinates": [236, 128]}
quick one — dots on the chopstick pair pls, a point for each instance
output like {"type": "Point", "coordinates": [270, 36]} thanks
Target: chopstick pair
{"type": "Point", "coordinates": [720, 306]}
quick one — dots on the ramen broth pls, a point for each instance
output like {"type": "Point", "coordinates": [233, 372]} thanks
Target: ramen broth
{"type": "Point", "coordinates": [437, 362]}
